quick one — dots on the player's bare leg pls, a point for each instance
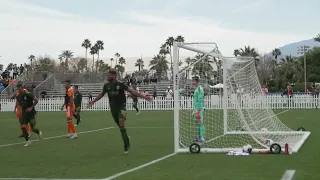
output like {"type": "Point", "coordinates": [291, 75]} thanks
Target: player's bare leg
{"type": "Point", "coordinates": [124, 135]}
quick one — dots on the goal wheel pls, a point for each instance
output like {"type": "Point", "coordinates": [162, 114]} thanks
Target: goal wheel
{"type": "Point", "coordinates": [301, 129]}
{"type": "Point", "coordinates": [275, 148]}
{"type": "Point", "coordinates": [194, 148]}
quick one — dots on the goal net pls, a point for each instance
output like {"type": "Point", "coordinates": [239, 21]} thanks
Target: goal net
{"type": "Point", "coordinates": [235, 112]}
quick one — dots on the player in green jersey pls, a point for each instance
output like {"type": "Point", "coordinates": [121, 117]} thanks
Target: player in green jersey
{"type": "Point", "coordinates": [77, 103]}
{"type": "Point", "coordinates": [135, 100]}
{"type": "Point", "coordinates": [27, 101]}
{"type": "Point", "coordinates": [198, 109]}
{"type": "Point", "coordinates": [117, 101]}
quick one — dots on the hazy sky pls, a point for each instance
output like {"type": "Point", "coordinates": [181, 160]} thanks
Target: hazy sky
{"type": "Point", "coordinates": [135, 27]}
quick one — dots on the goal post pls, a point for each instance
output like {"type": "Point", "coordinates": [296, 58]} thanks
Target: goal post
{"type": "Point", "coordinates": [235, 113]}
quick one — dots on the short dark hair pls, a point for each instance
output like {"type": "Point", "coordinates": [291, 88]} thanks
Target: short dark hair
{"type": "Point", "coordinates": [113, 72]}
{"type": "Point", "coordinates": [68, 81]}
{"type": "Point", "coordinates": [76, 86]}
{"type": "Point", "coordinates": [196, 78]}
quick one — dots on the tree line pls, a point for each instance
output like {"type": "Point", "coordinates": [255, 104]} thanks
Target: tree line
{"type": "Point", "coordinates": [273, 69]}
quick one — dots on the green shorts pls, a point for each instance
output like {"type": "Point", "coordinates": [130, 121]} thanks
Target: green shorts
{"type": "Point", "coordinates": [118, 113]}
{"type": "Point", "coordinates": [28, 117]}
{"type": "Point", "coordinates": [201, 114]}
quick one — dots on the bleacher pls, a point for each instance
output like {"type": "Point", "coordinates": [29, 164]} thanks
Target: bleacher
{"type": "Point", "coordinates": [95, 89]}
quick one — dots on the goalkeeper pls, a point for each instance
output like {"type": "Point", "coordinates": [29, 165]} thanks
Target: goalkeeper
{"type": "Point", "coordinates": [198, 109]}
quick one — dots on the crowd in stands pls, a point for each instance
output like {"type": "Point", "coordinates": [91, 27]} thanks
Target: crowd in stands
{"type": "Point", "coordinates": [9, 76]}
{"type": "Point", "coordinates": [132, 79]}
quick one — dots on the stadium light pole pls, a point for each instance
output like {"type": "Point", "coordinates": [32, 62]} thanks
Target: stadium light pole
{"type": "Point", "coordinates": [303, 50]}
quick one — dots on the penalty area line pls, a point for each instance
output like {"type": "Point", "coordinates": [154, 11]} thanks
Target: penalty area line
{"type": "Point", "coordinates": [139, 167]}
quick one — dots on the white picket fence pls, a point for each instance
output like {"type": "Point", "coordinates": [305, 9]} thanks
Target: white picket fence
{"type": "Point", "coordinates": [211, 102]}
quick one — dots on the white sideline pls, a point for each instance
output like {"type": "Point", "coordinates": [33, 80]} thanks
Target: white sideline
{"type": "Point", "coordinates": [84, 132]}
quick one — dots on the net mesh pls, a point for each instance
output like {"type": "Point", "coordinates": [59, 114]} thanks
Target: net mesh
{"type": "Point", "coordinates": [248, 118]}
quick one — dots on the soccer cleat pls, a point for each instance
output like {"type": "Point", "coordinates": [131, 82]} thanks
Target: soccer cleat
{"type": "Point", "coordinates": [75, 125]}
{"type": "Point", "coordinates": [29, 135]}
{"type": "Point", "coordinates": [74, 136]}
{"type": "Point", "coordinates": [68, 135]}
{"type": "Point", "coordinates": [27, 144]}
{"type": "Point", "coordinates": [40, 135]}
{"type": "Point", "coordinates": [127, 147]}
{"type": "Point", "coordinates": [201, 140]}
{"type": "Point", "coordinates": [196, 139]}
{"type": "Point", "coordinates": [138, 113]}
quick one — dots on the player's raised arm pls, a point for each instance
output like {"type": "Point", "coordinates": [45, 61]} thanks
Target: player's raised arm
{"type": "Point", "coordinates": [100, 95]}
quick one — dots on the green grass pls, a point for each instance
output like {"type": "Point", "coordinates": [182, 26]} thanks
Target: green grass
{"type": "Point", "coordinates": [100, 154]}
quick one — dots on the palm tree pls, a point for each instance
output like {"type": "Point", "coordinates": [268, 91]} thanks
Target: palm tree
{"type": "Point", "coordinates": [139, 64]}
{"type": "Point", "coordinates": [160, 65]}
{"type": "Point", "coordinates": [66, 54]}
{"type": "Point", "coordinates": [116, 55]}
{"type": "Point", "coordinates": [273, 64]}
{"type": "Point", "coordinates": [111, 60]}
{"type": "Point", "coordinates": [202, 68]}
{"type": "Point", "coordinates": [86, 44]}
{"type": "Point", "coordinates": [100, 46]}
{"type": "Point", "coordinates": [179, 39]}
{"type": "Point", "coordinates": [290, 68]}
{"type": "Point", "coordinates": [122, 61]}
{"type": "Point", "coordinates": [93, 51]}
{"type": "Point", "coordinates": [31, 58]}
{"type": "Point", "coordinates": [236, 52]}
{"type": "Point", "coordinates": [169, 43]}
{"type": "Point", "coordinates": [317, 38]}
{"type": "Point", "coordinates": [164, 49]}
{"type": "Point", "coordinates": [247, 51]}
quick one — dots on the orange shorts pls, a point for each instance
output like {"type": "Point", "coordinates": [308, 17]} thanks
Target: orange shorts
{"type": "Point", "coordinates": [18, 113]}
{"type": "Point", "coordinates": [69, 112]}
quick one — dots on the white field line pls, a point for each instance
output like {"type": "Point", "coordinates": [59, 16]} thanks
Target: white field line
{"type": "Point", "coordinates": [154, 161]}
{"type": "Point", "coordinates": [288, 175]}
{"type": "Point", "coordinates": [84, 132]}
{"type": "Point", "coordinates": [139, 167]}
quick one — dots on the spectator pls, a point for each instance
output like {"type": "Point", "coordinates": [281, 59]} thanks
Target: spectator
{"type": "Point", "coordinates": [90, 96]}
{"type": "Point", "coordinates": [1, 87]}
{"type": "Point", "coordinates": [154, 93]}
{"type": "Point", "coordinates": [43, 94]}
{"type": "Point", "coordinates": [264, 90]}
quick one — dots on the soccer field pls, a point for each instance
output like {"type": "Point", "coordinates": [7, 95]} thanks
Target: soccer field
{"type": "Point", "coordinates": [98, 152]}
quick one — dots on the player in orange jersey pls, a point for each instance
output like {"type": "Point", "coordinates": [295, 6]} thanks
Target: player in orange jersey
{"type": "Point", "coordinates": [18, 111]}
{"type": "Point", "coordinates": [70, 110]}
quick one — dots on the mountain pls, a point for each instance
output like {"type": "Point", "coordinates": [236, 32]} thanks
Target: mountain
{"type": "Point", "coordinates": [291, 49]}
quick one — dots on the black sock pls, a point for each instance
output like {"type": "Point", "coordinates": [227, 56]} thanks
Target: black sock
{"type": "Point", "coordinates": [77, 116]}
{"type": "Point", "coordinates": [35, 130]}
{"type": "Point", "coordinates": [25, 133]}
{"type": "Point", "coordinates": [136, 109]}
{"type": "Point", "coordinates": [124, 136]}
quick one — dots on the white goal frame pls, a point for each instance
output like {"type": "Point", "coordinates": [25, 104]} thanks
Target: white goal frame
{"type": "Point", "coordinates": [214, 52]}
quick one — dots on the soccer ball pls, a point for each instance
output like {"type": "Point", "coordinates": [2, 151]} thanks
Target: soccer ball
{"type": "Point", "coordinates": [264, 129]}
{"type": "Point", "coordinates": [247, 148]}
{"type": "Point", "coordinates": [268, 142]}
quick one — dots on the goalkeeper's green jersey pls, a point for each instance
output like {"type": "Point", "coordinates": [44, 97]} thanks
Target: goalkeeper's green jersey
{"type": "Point", "coordinates": [198, 98]}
